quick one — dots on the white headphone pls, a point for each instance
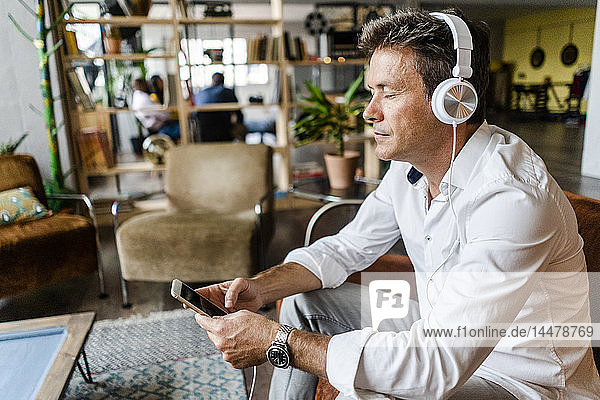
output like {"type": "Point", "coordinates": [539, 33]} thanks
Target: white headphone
{"type": "Point", "coordinates": [455, 100]}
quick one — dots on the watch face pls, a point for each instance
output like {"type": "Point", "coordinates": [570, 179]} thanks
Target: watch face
{"type": "Point", "coordinates": [278, 357]}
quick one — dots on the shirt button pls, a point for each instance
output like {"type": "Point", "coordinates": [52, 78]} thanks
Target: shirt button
{"type": "Point", "coordinates": [428, 238]}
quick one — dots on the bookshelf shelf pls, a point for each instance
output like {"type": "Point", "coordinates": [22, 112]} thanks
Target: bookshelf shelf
{"type": "Point", "coordinates": [227, 21]}
{"type": "Point", "coordinates": [227, 106]}
{"type": "Point", "coordinates": [127, 168]}
{"type": "Point", "coordinates": [114, 110]}
{"type": "Point", "coordinates": [119, 57]}
{"type": "Point", "coordinates": [119, 21]}
{"type": "Point", "coordinates": [349, 61]}
{"type": "Point", "coordinates": [234, 64]}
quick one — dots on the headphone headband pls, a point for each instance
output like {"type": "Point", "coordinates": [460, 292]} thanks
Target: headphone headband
{"type": "Point", "coordinates": [463, 44]}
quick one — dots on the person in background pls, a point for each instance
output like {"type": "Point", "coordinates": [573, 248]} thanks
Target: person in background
{"type": "Point", "coordinates": [157, 89]}
{"type": "Point", "coordinates": [148, 112]}
{"type": "Point", "coordinates": [218, 126]}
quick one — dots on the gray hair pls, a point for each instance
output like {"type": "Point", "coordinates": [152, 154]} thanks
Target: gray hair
{"type": "Point", "coordinates": [431, 40]}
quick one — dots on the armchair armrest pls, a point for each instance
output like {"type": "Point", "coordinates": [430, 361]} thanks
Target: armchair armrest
{"type": "Point", "coordinates": [259, 210]}
{"type": "Point", "coordinates": [92, 213]}
{"type": "Point", "coordinates": [114, 209]}
{"type": "Point", "coordinates": [323, 210]}
{"type": "Point", "coordinates": [80, 197]}
{"type": "Point", "coordinates": [258, 207]}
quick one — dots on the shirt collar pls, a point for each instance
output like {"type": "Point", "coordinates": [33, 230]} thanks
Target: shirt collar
{"type": "Point", "coordinates": [467, 158]}
{"type": "Point", "coordinates": [463, 163]}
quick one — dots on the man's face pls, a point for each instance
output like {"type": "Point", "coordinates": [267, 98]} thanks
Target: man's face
{"type": "Point", "coordinates": [404, 124]}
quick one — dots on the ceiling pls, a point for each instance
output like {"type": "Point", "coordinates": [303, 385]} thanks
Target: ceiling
{"type": "Point", "coordinates": [486, 9]}
{"type": "Point", "coordinates": [481, 9]}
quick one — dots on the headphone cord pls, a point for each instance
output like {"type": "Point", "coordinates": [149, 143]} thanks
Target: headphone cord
{"type": "Point", "coordinates": [457, 241]}
{"type": "Point", "coordinates": [253, 382]}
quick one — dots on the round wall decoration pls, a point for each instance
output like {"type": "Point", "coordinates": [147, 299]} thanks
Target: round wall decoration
{"type": "Point", "coordinates": [316, 24]}
{"type": "Point", "coordinates": [538, 55]}
{"type": "Point", "coordinates": [569, 53]}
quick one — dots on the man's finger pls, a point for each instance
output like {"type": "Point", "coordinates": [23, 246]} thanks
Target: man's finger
{"type": "Point", "coordinates": [237, 286]}
{"type": "Point", "coordinates": [206, 322]}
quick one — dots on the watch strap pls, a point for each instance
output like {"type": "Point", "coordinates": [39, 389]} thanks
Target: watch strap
{"type": "Point", "coordinates": [282, 334]}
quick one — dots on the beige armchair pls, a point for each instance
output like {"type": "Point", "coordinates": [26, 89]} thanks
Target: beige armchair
{"type": "Point", "coordinates": [216, 222]}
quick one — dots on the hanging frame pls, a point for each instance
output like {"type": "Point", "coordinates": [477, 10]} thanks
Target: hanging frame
{"type": "Point", "coordinates": [569, 52]}
{"type": "Point", "coordinates": [538, 55]}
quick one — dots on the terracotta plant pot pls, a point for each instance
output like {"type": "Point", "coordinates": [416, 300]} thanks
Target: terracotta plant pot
{"type": "Point", "coordinates": [340, 170]}
{"type": "Point", "coordinates": [112, 45]}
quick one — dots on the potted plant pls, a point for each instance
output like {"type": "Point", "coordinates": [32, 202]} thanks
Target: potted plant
{"type": "Point", "coordinates": [112, 40]}
{"type": "Point", "coordinates": [11, 146]}
{"type": "Point", "coordinates": [324, 120]}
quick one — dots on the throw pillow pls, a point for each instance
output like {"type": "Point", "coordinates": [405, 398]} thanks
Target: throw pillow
{"type": "Point", "coordinates": [20, 205]}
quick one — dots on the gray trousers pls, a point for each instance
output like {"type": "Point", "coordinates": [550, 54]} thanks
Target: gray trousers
{"type": "Point", "coordinates": [335, 311]}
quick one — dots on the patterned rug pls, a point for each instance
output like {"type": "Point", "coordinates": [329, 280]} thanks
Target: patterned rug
{"type": "Point", "coordinates": [165, 355]}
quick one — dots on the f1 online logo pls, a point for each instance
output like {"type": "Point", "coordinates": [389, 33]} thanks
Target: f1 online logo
{"type": "Point", "coordinates": [388, 299]}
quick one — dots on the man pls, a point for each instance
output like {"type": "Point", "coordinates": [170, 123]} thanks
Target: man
{"type": "Point", "coordinates": [484, 237]}
{"type": "Point", "coordinates": [218, 126]}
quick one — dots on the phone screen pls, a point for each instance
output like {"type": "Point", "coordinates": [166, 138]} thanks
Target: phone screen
{"type": "Point", "coordinates": [200, 302]}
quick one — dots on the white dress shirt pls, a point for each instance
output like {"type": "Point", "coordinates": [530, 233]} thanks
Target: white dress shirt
{"type": "Point", "coordinates": [512, 218]}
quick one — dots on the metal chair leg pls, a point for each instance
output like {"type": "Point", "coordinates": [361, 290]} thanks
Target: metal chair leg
{"type": "Point", "coordinates": [86, 377]}
{"type": "Point", "coordinates": [126, 303]}
{"type": "Point", "coordinates": [103, 294]}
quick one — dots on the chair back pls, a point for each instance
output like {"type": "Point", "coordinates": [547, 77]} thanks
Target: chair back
{"type": "Point", "coordinates": [587, 211]}
{"type": "Point", "coordinates": [213, 126]}
{"type": "Point", "coordinates": [19, 170]}
{"type": "Point", "coordinates": [218, 177]}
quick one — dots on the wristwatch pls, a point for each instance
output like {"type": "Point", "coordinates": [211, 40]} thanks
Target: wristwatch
{"type": "Point", "coordinates": [279, 354]}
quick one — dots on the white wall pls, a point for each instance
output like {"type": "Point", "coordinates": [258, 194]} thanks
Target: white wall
{"type": "Point", "coordinates": [20, 86]}
{"type": "Point", "coordinates": [590, 162]}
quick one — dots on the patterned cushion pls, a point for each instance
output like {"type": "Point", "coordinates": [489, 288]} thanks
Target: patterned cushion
{"type": "Point", "coordinates": [20, 205]}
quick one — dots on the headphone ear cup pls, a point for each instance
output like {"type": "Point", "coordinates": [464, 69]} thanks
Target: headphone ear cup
{"type": "Point", "coordinates": [454, 101]}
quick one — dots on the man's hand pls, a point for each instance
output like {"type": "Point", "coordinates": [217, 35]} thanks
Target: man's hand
{"type": "Point", "coordinates": [239, 294]}
{"type": "Point", "coordinates": [243, 337]}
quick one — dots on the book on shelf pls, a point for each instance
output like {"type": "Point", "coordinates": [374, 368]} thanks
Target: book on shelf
{"type": "Point", "coordinates": [262, 48]}
{"type": "Point", "coordinates": [266, 48]}
{"type": "Point", "coordinates": [294, 48]}
{"type": "Point", "coordinates": [81, 88]}
{"type": "Point", "coordinates": [287, 46]}
{"type": "Point", "coordinates": [182, 8]}
{"type": "Point", "coordinates": [71, 42]}
{"type": "Point", "coordinates": [307, 170]}
{"type": "Point", "coordinates": [94, 149]}
{"type": "Point", "coordinates": [124, 5]}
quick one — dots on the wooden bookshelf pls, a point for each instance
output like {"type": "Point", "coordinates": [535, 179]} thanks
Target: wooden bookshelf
{"type": "Point", "coordinates": [178, 24]}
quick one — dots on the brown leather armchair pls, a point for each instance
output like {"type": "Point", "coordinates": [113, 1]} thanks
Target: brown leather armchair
{"type": "Point", "coordinates": [48, 250]}
{"type": "Point", "coordinates": [587, 211]}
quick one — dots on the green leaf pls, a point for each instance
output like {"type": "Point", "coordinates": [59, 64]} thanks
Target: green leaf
{"type": "Point", "coordinates": [317, 94]}
{"type": "Point", "coordinates": [11, 146]}
{"type": "Point", "coordinates": [26, 7]}
{"type": "Point", "coordinates": [21, 30]}
{"type": "Point", "coordinates": [351, 92]}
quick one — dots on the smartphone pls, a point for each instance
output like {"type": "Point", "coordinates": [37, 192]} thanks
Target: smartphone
{"type": "Point", "coordinates": [193, 300]}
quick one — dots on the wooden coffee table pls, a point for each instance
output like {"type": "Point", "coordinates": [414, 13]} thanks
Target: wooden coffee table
{"type": "Point", "coordinates": [38, 356]}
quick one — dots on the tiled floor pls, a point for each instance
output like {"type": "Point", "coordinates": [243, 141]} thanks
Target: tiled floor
{"type": "Point", "coordinates": [558, 144]}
